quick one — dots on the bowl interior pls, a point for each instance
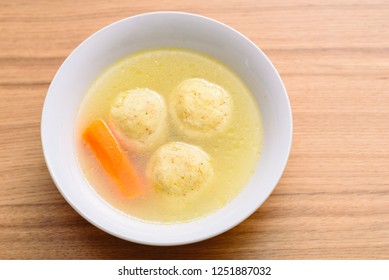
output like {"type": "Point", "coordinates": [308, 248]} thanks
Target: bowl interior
{"type": "Point", "coordinates": [165, 29]}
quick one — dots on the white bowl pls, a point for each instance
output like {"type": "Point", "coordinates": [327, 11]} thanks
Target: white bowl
{"type": "Point", "coordinates": [153, 30]}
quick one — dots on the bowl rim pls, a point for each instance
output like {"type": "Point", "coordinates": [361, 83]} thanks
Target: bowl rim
{"type": "Point", "coordinates": [288, 142]}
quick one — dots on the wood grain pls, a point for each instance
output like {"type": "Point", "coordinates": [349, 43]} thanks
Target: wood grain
{"type": "Point", "coordinates": [333, 200]}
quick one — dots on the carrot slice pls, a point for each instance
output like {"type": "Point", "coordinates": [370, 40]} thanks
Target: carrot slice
{"type": "Point", "coordinates": [113, 158]}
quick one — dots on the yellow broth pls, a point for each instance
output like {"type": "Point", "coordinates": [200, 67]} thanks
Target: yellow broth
{"type": "Point", "coordinates": [233, 153]}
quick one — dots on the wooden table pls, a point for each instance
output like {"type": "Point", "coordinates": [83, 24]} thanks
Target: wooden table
{"type": "Point", "coordinates": [333, 199]}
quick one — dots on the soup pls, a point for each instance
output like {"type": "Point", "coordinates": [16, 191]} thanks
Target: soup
{"type": "Point", "coordinates": [184, 128]}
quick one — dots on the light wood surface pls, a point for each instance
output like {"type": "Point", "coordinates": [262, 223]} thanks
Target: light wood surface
{"type": "Point", "coordinates": [333, 199]}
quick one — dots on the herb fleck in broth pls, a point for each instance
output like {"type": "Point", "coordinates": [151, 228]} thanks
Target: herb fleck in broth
{"type": "Point", "coordinates": [233, 153]}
